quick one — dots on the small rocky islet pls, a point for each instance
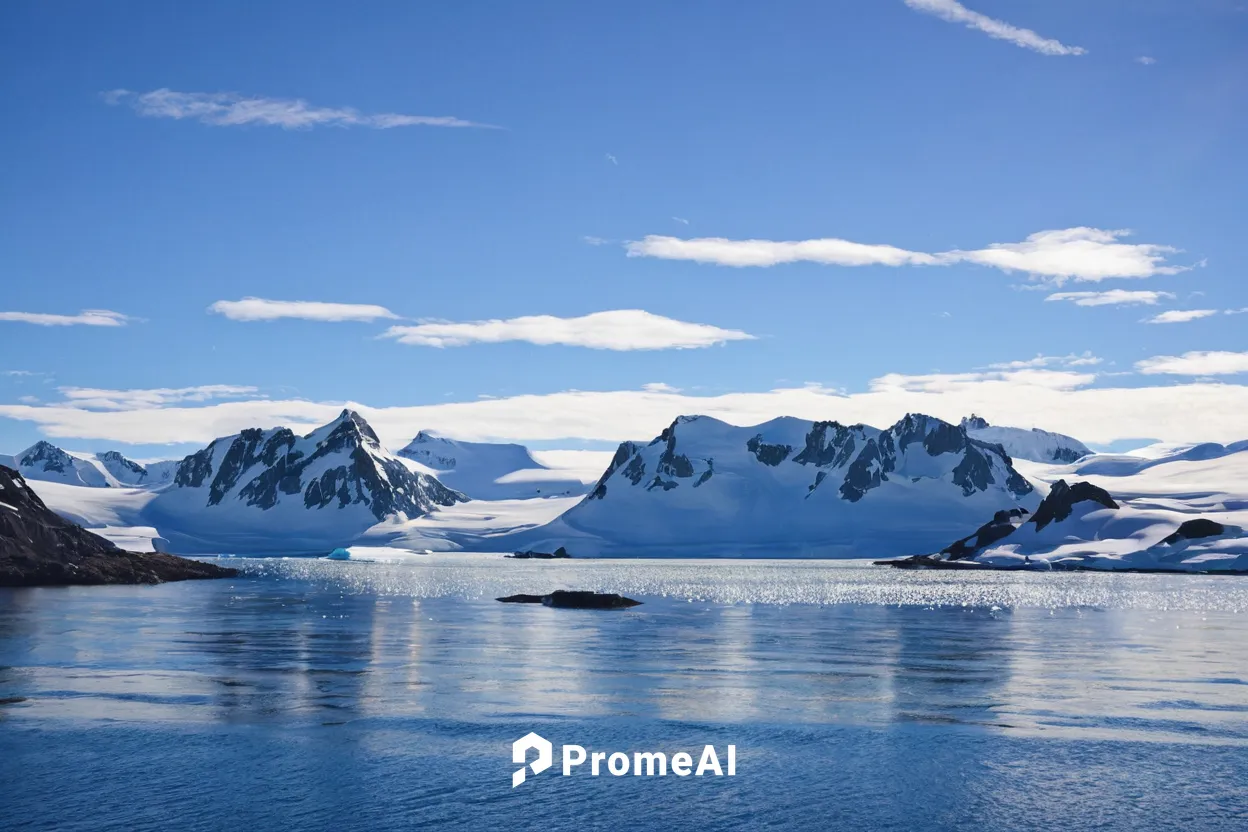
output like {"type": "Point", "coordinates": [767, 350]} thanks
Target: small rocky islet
{"type": "Point", "coordinates": [574, 600]}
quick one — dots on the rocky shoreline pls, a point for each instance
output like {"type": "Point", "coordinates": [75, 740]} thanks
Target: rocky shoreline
{"type": "Point", "coordinates": [40, 548]}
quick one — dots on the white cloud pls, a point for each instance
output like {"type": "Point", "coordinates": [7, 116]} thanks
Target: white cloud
{"type": "Point", "coordinates": [1145, 60]}
{"type": "Point", "coordinates": [87, 317]}
{"type": "Point", "coordinates": [1082, 254]}
{"type": "Point", "coordinates": [1089, 254]}
{"type": "Point", "coordinates": [594, 241]}
{"type": "Point", "coordinates": [1199, 363]}
{"type": "Point", "coordinates": [1061, 400]}
{"type": "Point", "coordinates": [230, 109]}
{"type": "Point", "coordinates": [260, 309]}
{"type": "Point", "coordinates": [1087, 359]}
{"type": "Point", "coordinates": [659, 387]}
{"type": "Point", "coordinates": [621, 329]}
{"type": "Point", "coordinates": [1180, 316]}
{"type": "Point", "coordinates": [681, 220]}
{"type": "Point", "coordinates": [612, 159]}
{"type": "Point", "coordinates": [725, 252]}
{"type": "Point", "coordinates": [94, 398]}
{"type": "Point", "coordinates": [1113, 297]}
{"type": "Point", "coordinates": [955, 12]}
{"type": "Point", "coordinates": [28, 399]}
{"type": "Point", "coordinates": [1236, 311]}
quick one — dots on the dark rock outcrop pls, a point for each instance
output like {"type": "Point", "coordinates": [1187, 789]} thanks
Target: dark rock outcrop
{"type": "Point", "coordinates": [766, 453]}
{"type": "Point", "coordinates": [1001, 526]}
{"type": "Point", "coordinates": [1194, 530]}
{"type": "Point", "coordinates": [1062, 499]}
{"type": "Point", "coordinates": [575, 600]}
{"type": "Point", "coordinates": [622, 455]}
{"type": "Point", "coordinates": [558, 553]}
{"type": "Point", "coordinates": [39, 548]}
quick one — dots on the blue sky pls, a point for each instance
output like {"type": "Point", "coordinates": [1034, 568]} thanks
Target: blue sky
{"type": "Point", "coordinates": [928, 126]}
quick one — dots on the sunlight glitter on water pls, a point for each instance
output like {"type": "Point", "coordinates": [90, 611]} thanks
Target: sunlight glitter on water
{"type": "Point", "coordinates": [763, 582]}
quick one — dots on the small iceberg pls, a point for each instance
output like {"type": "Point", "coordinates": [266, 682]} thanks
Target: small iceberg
{"type": "Point", "coordinates": [339, 554]}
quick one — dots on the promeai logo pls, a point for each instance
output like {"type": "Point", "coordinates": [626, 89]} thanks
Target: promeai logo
{"type": "Point", "coordinates": [520, 751]}
{"type": "Point", "coordinates": [619, 763]}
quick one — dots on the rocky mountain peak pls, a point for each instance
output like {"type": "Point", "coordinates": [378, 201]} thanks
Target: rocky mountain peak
{"type": "Point", "coordinates": [351, 424]}
{"type": "Point", "coordinates": [51, 457]}
{"type": "Point", "coordinates": [973, 422]}
{"type": "Point", "coordinates": [115, 459]}
{"type": "Point", "coordinates": [339, 464]}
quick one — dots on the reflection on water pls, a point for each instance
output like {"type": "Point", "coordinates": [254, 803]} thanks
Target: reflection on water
{"type": "Point", "coordinates": [414, 666]}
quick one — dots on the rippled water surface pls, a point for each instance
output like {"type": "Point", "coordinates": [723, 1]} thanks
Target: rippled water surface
{"type": "Point", "coordinates": [340, 696]}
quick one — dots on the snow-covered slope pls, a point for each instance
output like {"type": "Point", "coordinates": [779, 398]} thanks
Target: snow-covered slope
{"type": "Point", "coordinates": [1081, 525]}
{"type": "Point", "coordinates": [1169, 507]}
{"type": "Point", "coordinates": [789, 487]}
{"type": "Point", "coordinates": [270, 490]}
{"type": "Point", "coordinates": [489, 471]}
{"type": "Point", "coordinates": [1035, 444]}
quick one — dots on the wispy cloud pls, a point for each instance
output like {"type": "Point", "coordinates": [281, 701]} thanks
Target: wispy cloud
{"type": "Point", "coordinates": [87, 317]}
{"type": "Point", "coordinates": [621, 329]}
{"type": "Point", "coordinates": [262, 309]}
{"type": "Point", "coordinates": [1114, 297]}
{"type": "Point", "coordinates": [1197, 363]}
{"type": "Point", "coordinates": [955, 12]}
{"type": "Point", "coordinates": [230, 109]}
{"type": "Point", "coordinates": [1087, 359]}
{"type": "Point", "coordinates": [93, 398]}
{"type": "Point", "coordinates": [1145, 60]}
{"type": "Point", "coordinates": [724, 252]}
{"type": "Point", "coordinates": [1180, 316]}
{"type": "Point", "coordinates": [681, 220]}
{"type": "Point", "coordinates": [1081, 254]}
{"type": "Point", "coordinates": [611, 158]}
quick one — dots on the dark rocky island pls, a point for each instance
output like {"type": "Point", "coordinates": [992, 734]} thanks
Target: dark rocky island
{"type": "Point", "coordinates": [40, 548]}
{"type": "Point", "coordinates": [558, 553]}
{"type": "Point", "coordinates": [575, 600]}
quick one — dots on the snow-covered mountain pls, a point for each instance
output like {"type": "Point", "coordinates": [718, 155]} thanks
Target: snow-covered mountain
{"type": "Point", "coordinates": [791, 487]}
{"type": "Point", "coordinates": [45, 462]}
{"type": "Point", "coordinates": [1035, 444]}
{"type": "Point", "coordinates": [489, 471]}
{"type": "Point", "coordinates": [124, 471]}
{"type": "Point", "coordinates": [1165, 507]}
{"type": "Point", "coordinates": [267, 490]}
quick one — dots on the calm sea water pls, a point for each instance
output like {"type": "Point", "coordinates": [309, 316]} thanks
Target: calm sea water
{"type": "Point", "coordinates": [316, 696]}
